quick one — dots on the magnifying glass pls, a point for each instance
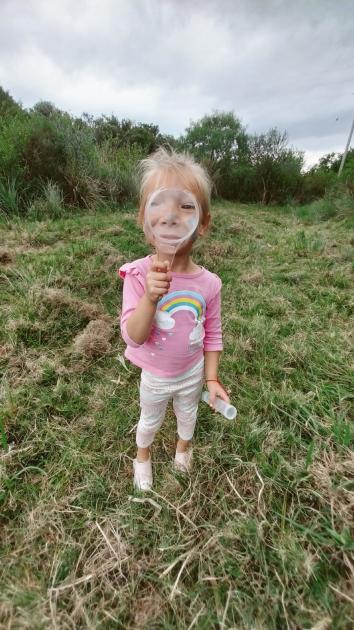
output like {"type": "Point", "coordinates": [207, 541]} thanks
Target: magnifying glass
{"type": "Point", "coordinates": [171, 218]}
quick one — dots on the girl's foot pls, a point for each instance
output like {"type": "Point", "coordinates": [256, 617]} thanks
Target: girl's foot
{"type": "Point", "coordinates": [183, 461]}
{"type": "Point", "coordinates": [142, 474]}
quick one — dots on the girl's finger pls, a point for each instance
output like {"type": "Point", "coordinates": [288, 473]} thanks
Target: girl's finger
{"type": "Point", "coordinates": [159, 266]}
{"type": "Point", "coordinates": [224, 396]}
{"type": "Point", "coordinates": [156, 275]}
{"type": "Point", "coordinates": [161, 284]}
{"type": "Point", "coordinates": [211, 399]}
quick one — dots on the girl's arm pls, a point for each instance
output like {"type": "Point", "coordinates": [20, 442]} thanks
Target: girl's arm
{"type": "Point", "coordinates": [211, 364]}
{"type": "Point", "coordinates": [138, 324]}
{"type": "Point", "coordinates": [213, 347]}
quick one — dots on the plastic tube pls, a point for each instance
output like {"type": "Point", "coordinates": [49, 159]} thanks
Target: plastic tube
{"type": "Point", "coordinates": [228, 411]}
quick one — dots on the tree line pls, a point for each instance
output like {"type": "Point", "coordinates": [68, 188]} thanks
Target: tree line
{"type": "Point", "coordinates": [50, 159]}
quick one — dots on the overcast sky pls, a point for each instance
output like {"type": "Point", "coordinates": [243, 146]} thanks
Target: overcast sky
{"type": "Point", "coordinates": [282, 63]}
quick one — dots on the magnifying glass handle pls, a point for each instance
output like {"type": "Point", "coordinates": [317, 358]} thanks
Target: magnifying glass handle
{"type": "Point", "coordinates": [171, 261]}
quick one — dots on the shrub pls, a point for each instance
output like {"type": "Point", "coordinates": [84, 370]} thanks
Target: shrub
{"type": "Point", "coordinates": [15, 133]}
{"type": "Point", "coordinates": [277, 167]}
{"type": "Point", "coordinates": [314, 184]}
{"type": "Point", "coordinates": [337, 203]}
{"type": "Point", "coordinates": [117, 172]}
{"type": "Point", "coordinates": [237, 182]}
{"type": "Point", "coordinates": [8, 106]}
{"type": "Point", "coordinates": [36, 149]}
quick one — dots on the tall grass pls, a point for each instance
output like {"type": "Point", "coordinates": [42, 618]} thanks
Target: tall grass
{"type": "Point", "coordinates": [9, 197]}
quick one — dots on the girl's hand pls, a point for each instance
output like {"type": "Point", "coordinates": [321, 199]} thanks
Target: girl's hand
{"type": "Point", "coordinates": [215, 389]}
{"type": "Point", "coordinates": [158, 280]}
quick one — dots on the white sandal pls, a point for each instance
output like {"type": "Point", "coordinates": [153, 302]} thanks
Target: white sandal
{"type": "Point", "coordinates": [142, 474]}
{"type": "Point", "coordinates": [183, 461]}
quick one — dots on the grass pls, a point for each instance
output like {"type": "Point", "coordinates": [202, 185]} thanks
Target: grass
{"type": "Point", "coordinates": [261, 536]}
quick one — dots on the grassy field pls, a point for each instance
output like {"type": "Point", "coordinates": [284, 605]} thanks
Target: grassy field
{"type": "Point", "coordinates": [261, 536]}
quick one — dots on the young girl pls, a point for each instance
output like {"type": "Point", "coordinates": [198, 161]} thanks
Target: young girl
{"type": "Point", "coordinates": [171, 320]}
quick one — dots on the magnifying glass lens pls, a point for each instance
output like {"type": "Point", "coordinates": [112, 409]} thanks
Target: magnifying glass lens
{"type": "Point", "coordinates": [171, 218]}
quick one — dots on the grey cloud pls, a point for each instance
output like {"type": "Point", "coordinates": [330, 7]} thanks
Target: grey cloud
{"type": "Point", "coordinates": [274, 62]}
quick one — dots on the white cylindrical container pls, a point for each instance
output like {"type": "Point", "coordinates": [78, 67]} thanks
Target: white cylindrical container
{"type": "Point", "coordinates": [228, 411]}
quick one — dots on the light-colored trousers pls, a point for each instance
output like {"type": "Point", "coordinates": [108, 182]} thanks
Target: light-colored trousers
{"type": "Point", "coordinates": [156, 391]}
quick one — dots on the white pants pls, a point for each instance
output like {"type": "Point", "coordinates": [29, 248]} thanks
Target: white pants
{"type": "Point", "coordinates": [156, 391]}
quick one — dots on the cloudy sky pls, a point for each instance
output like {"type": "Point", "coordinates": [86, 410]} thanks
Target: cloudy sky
{"type": "Point", "coordinates": [273, 62]}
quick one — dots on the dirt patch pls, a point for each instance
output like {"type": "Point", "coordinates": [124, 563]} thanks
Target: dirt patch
{"type": "Point", "coordinates": [6, 256]}
{"type": "Point", "coordinates": [240, 227]}
{"type": "Point", "coordinates": [23, 368]}
{"type": "Point", "coordinates": [58, 297]}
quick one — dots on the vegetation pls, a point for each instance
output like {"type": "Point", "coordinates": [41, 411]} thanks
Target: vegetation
{"type": "Point", "coordinates": [261, 535]}
{"type": "Point", "coordinates": [91, 162]}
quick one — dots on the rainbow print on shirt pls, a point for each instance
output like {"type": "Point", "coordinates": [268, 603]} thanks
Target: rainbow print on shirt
{"type": "Point", "coordinates": [183, 301]}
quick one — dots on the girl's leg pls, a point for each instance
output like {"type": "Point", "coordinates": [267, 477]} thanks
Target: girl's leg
{"type": "Point", "coordinates": [185, 405]}
{"type": "Point", "coordinates": [153, 403]}
{"type": "Point", "coordinates": [151, 419]}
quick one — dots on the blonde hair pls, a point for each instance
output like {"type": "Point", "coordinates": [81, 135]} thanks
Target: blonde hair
{"type": "Point", "coordinates": [193, 175]}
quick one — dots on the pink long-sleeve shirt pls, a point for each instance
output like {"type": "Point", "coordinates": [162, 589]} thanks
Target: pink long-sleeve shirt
{"type": "Point", "coordinates": [187, 321]}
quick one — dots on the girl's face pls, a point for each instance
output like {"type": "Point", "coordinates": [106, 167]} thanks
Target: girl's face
{"type": "Point", "coordinates": [172, 213]}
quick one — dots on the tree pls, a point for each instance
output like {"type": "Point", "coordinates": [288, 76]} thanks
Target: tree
{"type": "Point", "coordinates": [331, 161]}
{"type": "Point", "coordinates": [126, 133]}
{"type": "Point", "coordinates": [218, 140]}
{"type": "Point", "coordinates": [46, 108]}
{"type": "Point", "coordinates": [323, 176]}
{"type": "Point", "coordinates": [8, 105]}
{"type": "Point", "coordinates": [277, 167]}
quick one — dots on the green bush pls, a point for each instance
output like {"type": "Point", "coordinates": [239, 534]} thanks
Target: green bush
{"type": "Point", "coordinates": [117, 172]}
{"type": "Point", "coordinates": [322, 181]}
{"type": "Point", "coordinates": [314, 184]}
{"type": "Point", "coordinates": [8, 106]}
{"type": "Point", "coordinates": [15, 133]}
{"type": "Point", "coordinates": [51, 148]}
{"type": "Point", "coordinates": [337, 203]}
{"type": "Point", "coordinates": [237, 182]}
{"type": "Point", "coordinates": [35, 149]}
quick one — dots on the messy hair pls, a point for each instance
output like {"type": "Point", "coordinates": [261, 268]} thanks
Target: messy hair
{"type": "Point", "coordinates": [192, 174]}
